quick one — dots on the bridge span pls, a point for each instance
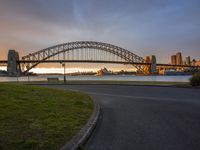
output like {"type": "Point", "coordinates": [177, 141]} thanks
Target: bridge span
{"type": "Point", "coordinates": [81, 52]}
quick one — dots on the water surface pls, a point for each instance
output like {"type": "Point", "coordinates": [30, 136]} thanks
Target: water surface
{"type": "Point", "coordinates": [177, 78]}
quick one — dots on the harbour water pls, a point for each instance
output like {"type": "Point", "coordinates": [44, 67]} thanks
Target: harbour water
{"type": "Point", "coordinates": [177, 78]}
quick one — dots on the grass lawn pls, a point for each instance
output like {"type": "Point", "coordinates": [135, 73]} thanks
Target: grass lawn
{"type": "Point", "coordinates": [34, 117]}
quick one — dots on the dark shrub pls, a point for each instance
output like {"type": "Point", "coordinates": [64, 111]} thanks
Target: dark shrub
{"type": "Point", "coordinates": [195, 80]}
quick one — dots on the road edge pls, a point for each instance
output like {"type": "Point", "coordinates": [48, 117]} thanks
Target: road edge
{"type": "Point", "coordinates": [82, 136]}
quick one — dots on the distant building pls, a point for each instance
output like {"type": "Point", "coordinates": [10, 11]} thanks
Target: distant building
{"type": "Point", "coordinates": [188, 61]}
{"type": "Point", "coordinates": [103, 71]}
{"type": "Point", "coordinates": [147, 59]}
{"type": "Point", "coordinates": [178, 58]}
{"type": "Point", "coordinates": [173, 59]}
{"type": "Point", "coordinates": [193, 62]}
{"type": "Point", "coordinates": [197, 63]}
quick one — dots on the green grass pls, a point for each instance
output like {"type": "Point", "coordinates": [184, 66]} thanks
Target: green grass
{"type": "Point", "coordinates": [34, 117]}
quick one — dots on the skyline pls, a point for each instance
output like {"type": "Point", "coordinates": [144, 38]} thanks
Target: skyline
{"type": "Point", "coordinates": [144, 27]}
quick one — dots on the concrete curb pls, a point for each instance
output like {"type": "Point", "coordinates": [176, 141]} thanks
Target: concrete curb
{"type": "Point", "coordinates": [82, 136]}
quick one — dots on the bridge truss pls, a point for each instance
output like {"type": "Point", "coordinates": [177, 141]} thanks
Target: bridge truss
{"type": "Point", "coordinates": [83, 51]}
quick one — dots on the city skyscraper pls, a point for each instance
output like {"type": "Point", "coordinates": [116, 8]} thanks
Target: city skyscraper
{"type": "Point", "coordinates": [188, 61]}
{"type": "Point", "coordinates": [173, 59]}
{"type": "Point", "coordinates": [147, 59]}
{"type": "Point", "coordinates": [178, 58]}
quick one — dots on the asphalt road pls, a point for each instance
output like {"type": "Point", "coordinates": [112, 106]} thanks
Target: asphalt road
{"type": "Point", "coordinates": [144, 117]}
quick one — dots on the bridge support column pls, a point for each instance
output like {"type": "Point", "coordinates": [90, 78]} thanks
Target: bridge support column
{"type": "Point", "coordinates": [150, 69]}
{"type": "Point", "coordinates": [153, 65]}
{"type": "Point", "coordinates": [13, 67]}
{"type": "Point", "coordinates": [147, 70]}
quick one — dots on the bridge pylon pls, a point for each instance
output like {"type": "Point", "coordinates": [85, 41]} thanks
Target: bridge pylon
{"type": "Point", "coordinates": [13, 67]}
{"type": "Point", "coordinates": [150, 69]}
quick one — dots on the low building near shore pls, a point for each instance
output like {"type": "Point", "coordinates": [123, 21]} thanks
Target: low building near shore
{"type": "Point", "coordinates": [174, 72]}
{"type": "Point", "coordinates": [3, 73]}
{"type": "Point", "coordinates": [103, 71]}
{"type": "Point", "coordinates": [197, 63]}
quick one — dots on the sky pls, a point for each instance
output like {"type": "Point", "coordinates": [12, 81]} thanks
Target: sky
{"type": "Point", "coordinates": [144, 27]}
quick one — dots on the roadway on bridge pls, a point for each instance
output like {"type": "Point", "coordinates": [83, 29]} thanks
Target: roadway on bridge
{"type": "Point", "coordinates": [144, 117]}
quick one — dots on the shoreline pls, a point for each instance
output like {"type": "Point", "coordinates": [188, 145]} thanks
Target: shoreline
{"type": "Point", "coordinates": [103, 79]}
{"type": "Point", "coordinates": [139, 75]}
{"type": "Point", "coordinates": [105, 82]}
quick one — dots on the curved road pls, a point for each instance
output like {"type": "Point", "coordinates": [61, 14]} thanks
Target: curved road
{"type": "Point", "coordinates": [144, 117]}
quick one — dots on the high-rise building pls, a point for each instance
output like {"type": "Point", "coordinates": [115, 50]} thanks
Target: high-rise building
{"type": "Point", "coordinates": [188, 61]}
{"type": "Point", "coordinates": [178, 58]}
{"type": "Point", "coordinates": [147, 59]}
{"type": "Point", "coordinates": [173, 59]}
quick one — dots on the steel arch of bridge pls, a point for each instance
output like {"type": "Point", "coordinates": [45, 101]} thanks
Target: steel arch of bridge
{"type": "Point", "coordinates": [45, 54]}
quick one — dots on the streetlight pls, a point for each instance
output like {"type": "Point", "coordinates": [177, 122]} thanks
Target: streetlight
{"type": "Point", "coordinates": [64, 77]}
{"type": "Point", "coordinates": [28, 77]}
{"type": "Point", "coordinates": [17, 76]}
{"type": "Point", "coordinates": [27, 73]}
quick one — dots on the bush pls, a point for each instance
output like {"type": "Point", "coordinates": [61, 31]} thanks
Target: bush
{"type": "Point", "coordinates": [195, 80]}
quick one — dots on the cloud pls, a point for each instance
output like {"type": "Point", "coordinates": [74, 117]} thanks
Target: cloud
{"type": "Point", "coordinates": [138, 25]}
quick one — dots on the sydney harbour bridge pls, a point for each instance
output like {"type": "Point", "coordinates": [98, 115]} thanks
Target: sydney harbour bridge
{"type": "Point", "coordinates": [80, 52]}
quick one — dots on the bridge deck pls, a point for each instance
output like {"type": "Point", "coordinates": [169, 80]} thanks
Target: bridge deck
{"type": "Point", "coordinates": [4, 62]}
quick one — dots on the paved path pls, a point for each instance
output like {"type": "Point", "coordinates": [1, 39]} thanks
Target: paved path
{"type": "Point", "coordinates": [144, 118]}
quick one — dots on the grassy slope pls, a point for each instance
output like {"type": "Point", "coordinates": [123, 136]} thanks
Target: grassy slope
{"type": "Point", "coordinates": [40, 118]}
